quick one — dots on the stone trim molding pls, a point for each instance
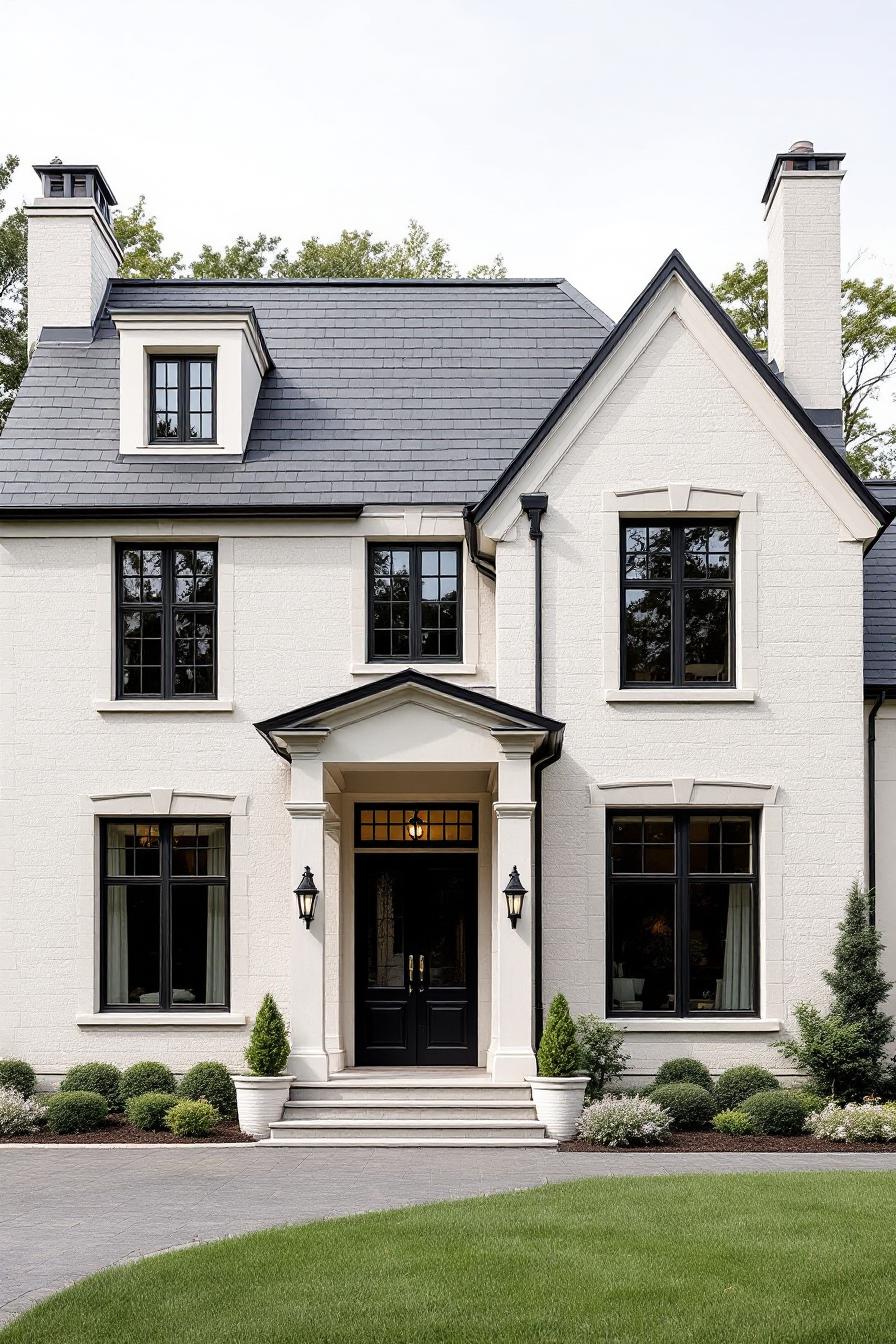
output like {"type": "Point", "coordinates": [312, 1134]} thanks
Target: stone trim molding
{"type": "Point", "coordinates": [167, 803]}
{"type": "Point", "coordinates": [172, 1019]}
{"type": "Point", "coordinates": [682, 792]}
{"type": "Point", "coordinates": [740, 1025]}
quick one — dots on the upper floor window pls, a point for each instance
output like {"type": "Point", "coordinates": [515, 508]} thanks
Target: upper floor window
{"type": "Point", "coordinates": [677, 603]}
{"type": "Point", "coordinates": [414, 603]}
{"type": "Point", "coordinates": [182, 399]}
{"type": "Point", "coordinates": [166, 619]}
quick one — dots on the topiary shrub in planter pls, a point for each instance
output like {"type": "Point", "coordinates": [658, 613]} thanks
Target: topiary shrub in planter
{"type": "Point", "coordinates": [209, 1081]}
{"type": "Point", "coordinates": [19, 1114]}
{"type": "Point", "coordinates": [856, 1122]}
{"type": "Point", "coordinates": [263, 1092]}
{"type": "Point", "coordinates": [684, 1070]}
{"type": "Point", "coordinates": [601, 1055]}
{"type": "Point", "coordinates": [775, 1112]}
{"type": "Point", "coordinates": [732, 1122]}
{"type": "Point", "coordinates": [72, 1112]}
{"type": "Point", "coordinates": [192, 1119]}
{"type": "Point", "coordinates": [558, 1090]}
{"type": "Point", "coordinates": [16, 1073]}
{"type": "Point", "coordinates": [690, 1106]}
{"type": "Point", "coordinates": [621, 1122]}
{"type": "Point", "coordinates": [149, 1110]}
{"type": "Point", "coordinates": [102, 1078]}
{"type": "Point", "coordinates": [745, 1080]}
{"type": "Point", "coordinates": [147, 1076]}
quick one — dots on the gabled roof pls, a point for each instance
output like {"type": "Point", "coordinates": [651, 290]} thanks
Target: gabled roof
{"type": "Point", "coordinates": [880, 599]}
{"type": "Point", "coordinates": [675, 265]}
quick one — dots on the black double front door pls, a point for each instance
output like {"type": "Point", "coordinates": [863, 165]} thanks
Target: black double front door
{"type": "Point", "coordinates": [415, 959]}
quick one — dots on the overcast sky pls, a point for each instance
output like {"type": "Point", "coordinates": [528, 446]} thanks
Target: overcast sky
{"type": "Point", "coordinates": [584, 139]}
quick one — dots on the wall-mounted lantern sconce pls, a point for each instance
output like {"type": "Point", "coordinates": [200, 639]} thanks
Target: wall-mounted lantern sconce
{"type": "Point", "coordinates": [515, 894]}
{"type": "Point", "coordinates": [306, 895]}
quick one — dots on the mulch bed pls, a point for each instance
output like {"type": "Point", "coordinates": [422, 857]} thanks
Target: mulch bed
{"type": "Point", "coordinates": [118, 1129]}
{"type": "Point", "coordinates": [710, 1142]}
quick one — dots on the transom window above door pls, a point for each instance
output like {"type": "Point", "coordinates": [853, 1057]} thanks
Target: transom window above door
{"type": "Point", "coordinates": [166, 616]}
{"type": "Point", "coordinates": [409, 824]}
{"type": "Point", "coordinates": [677, 603]}
{"type": "Point", "coordinates": [182, 399]}
{"type": "Point", "coordinates": [414, 603]}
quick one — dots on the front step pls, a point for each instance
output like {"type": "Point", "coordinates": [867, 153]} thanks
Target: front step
{"type": "Point", "coordinates": [408, 1133]}
{"type": "Point", "coordinates": [346, 1111]}
{"type": "Point", "coordinates": [387, 1092]}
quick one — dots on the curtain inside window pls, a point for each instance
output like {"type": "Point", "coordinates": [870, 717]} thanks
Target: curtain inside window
{"type": "Point", "coordinates": [735, 987]}
{"type": "Point", "coordinates": [215, 935]}
{"type": "Point", "coordinates": [116, 942]}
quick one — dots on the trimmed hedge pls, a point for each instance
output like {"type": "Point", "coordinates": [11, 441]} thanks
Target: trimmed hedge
{"type": "Point", "coordinates": [732, 1122]}
{"type": "Point", "coordinates": [192, 1119]}
{"type": "Point", "coordinates": [102, 1078]}
{"type": "Point", "coordinates": [684, 1070]}
{"type": "Point", "coordinates": [149, 1110]}
{"type": "Point", "coordinates": [690, 1106]}
{"type": "Point", "coordinates": [735, 1085]}
{"type": "Point", "coordinates": [147, 1076]}
{"type": "Point", "coordinates": [72, 1112]}
{"type": "Point", "coordinates": [775, 1112]}
{"type": "Point", "coordinates": [16, 1073]}
{"type": "Point", "coordinates": [209, 1081]}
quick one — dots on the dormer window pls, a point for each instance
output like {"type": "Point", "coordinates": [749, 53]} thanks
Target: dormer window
{"type": "Point", "coordinates": [182, 406]}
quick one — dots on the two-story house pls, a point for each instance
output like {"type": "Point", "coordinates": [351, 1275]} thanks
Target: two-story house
{"type": "Point", "coordinates": [386, 591]}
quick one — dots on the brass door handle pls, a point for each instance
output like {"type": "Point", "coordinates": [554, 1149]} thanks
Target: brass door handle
{"type": "Point", "coordinates": [410, 972]}
{"type": "Point", "coordinates": [421, 968]}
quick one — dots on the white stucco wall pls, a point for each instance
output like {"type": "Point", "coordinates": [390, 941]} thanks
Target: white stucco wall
{"type": "Point", "coordinates": [885, 812]}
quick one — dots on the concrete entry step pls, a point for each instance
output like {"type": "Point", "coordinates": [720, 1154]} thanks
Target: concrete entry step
{"type": "Point", "coordinates": [407, 1129]}
{"type": "Point", "coordinates": [393, 1090]}
{"type": "Point", "coordinates": [405, 1142]}
{"type": "Point", "coordinates": [409, 1110]}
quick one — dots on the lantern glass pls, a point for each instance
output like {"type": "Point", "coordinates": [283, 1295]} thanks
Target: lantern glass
{"type": "Point", "coordinates": [416, 827]}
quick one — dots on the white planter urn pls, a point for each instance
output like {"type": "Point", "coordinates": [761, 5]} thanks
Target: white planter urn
{"type": "Point", "coordinates": [260, 1101]}
{"type": "Point", "coordinates": [559, 1103]}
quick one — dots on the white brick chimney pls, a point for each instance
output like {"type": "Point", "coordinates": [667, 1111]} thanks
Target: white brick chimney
{"type": "Point", "coordinates": [72, 251]}
{"type": "Point", "coordinates": [802, 211]}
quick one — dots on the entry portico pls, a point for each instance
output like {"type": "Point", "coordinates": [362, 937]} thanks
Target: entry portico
{"type": "Point", "coordinates": [417, 748]}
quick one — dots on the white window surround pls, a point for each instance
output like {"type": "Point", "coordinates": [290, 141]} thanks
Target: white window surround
{"type": "Point", "coordinates": [682, 500]}
{"type": "Point", "coordinates": [159, 803]}
{"type": "Point", "coordinates": [105, 701]}
{"type": "Point", "coordinates": [232, 336]}
{"type": "Point", "coordinates": [724, 794]}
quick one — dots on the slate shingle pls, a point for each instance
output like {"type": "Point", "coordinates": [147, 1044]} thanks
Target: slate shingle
{"type": "Point", "coordinates": [880, 598]}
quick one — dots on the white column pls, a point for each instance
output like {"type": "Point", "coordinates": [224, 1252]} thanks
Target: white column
{"type": "Point", "coordinates": [333, 1037]}
{"type": "Point", "coordinates": [511, 1056]}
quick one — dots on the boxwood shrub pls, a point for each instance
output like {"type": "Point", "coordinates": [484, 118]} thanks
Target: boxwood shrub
{"type": "Point", "coordinates": [732, 1122]}
{"type": "Point", "coordinates": [16, 1073]}
{"type": "Point", "coordinates": [147, 1076]}
{"type": "Point", "coordinates": [775, 1112]}
{"type": "Point", "coordinates": [73, 1112]}
{"type": "Point", "coordinates": [210, 1082]}
{"type": "Point", "coordinates": [735, 1085]}
{"type": "Point", "coordinates": [149, 1110]}
{"type": "Point", "coordinates": [192, 1119]}
{"type": "Point", "coordinates": [690, 1106]}
{"type": "Point", "coordinates": [684, 1070]}
{"type": "Point", "coordinates": [102, 1078]}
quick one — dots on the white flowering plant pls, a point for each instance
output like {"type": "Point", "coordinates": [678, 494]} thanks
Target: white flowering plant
{"type": "Point", "coordinates": [623, 1121]}
{"type": "Point", "coordinates": [18, 1114]}
{"type": "Point", "coordinates": [868, 1121]}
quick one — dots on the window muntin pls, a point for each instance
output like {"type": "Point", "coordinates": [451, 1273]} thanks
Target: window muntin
{"type": "Point", "coordinates": [682, 914]}
{"type": "Point", "coordinates": [677, 603]}
{"type": "Point", "coordinates": [165, 914]}
{"type": "Point", "coordinates": [182, 399]}
{"type": "Point", "coordinates": [414, 603]}
{"type": "Point", "coordinates": [167, 608]}
{"type": "Point", "coordinates": [416, 825]}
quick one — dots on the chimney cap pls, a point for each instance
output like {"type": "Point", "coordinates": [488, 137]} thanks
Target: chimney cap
{"type": "Point", "coordinates": [801, 157]}
{"type": "Point", "coordinates": [45, 170]}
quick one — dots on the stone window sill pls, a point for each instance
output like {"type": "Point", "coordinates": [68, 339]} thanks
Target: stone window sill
{"type": "Point", "coordinates": [210, 1019]}
{"type": "Point", "coordinates": [184, 450]}
{"type": "Point", "coordinates": [680, 695]}
{"type": "Point", "coordinates": [430, 669]}
{"type": "Point", "coordinates": [163, 706]}
{"type": "Point", "coordinates": [695, 1024]}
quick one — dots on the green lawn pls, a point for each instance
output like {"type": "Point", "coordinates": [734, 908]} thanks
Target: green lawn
{"type": "Point", "coordinates": [660, 1259]}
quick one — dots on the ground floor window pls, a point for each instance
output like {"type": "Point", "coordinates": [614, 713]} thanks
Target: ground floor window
{"type": "Point", "coordinates": [682, 913]}
{"type": "Point", "coordinates": [165, 914]}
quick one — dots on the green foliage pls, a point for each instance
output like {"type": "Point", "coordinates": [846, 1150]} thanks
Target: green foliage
{"type": "Point", "coordinates": [775, 1112]}
{"type": "Point", "coordinates": [76, 1112]}
{"type": "Point", "coordinates": [268, 1048]}
{"type": "Point", "coordinates": [735, 1085]}
{"type": "Point", "coordinates": [601, 1055]}
{"type": "Point", "coordinates": [690, 1106]}
{"type": "Point", "coordinates": [684, 1070]}
{"type": "Point", "coordinates": [148, 1110]}
{"type": "Point", "coordinates": [744, 296]}
{"type": "Point", "coordinates": [810, 1101]}
{"type": "Point", "coordinates": [13, 309]}
{"type": "Point", "coordinates": [147, 1076]}
{"type": "Point", "coordinates": [102, 1078]}
{"type": "Point", "coordinates": [209, 1081]}
{"type": "Point", "coordinates": [16, 1073]}
{"type": "Point", "coordinates": [192, 1119]}
{"type": "Point", "coordinates": [844, 1050]}
{"type": "Point", "coordinates": [141, 243]}
{"type": "Point", "coordinates": [732, 1122]}
{"type": "Point", "coordinates": [558, 1053]}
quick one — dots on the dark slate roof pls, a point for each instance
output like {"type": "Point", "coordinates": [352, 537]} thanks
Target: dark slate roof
{"type": "Point", "coordinates": [880, 598]}
{"type": "Point", "coordinates": [386, 392]}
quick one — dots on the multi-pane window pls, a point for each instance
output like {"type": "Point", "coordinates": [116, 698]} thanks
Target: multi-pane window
{"type": "Point", "coordinates": [408, 824]}
{"type": "Point", "coordinates": [682, 913]}
{"type": "Point", "coordinates": [182, 406]}
{"type": "Point", "coordinates": [677, 603]}
{"type": "Point", "coordinates": [165, 914]}
{"type": "Point", "coordinates": [414, 602]}
{"type": "Point", "coordinates": [166, 620]}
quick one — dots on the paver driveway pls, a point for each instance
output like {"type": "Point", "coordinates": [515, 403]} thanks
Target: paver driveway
{"type": "Point", "coordinates": [68, 1212]}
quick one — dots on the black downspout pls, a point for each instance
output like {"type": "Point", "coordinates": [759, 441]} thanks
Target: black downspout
{"type": "Point", "coordinates": [536, 506]}
{"type": "Point", "coordinates": [872, 820]}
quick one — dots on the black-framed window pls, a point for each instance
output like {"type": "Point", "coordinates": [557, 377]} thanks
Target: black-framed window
{"type": "Point", "coordinates": [166, 620]}
{"type": "Point", "coordinates": [682, 914]}
{"type": "Point", "coordinates": [165, 914]}
{"type": "Point", "coordinates": [677, 603]}
{"type": "Point", "coordinates": [416, 825]}
{"type": "Point", "coordinates": [414, 603]}
{"type": "Point", "coordinates": [183, 394]}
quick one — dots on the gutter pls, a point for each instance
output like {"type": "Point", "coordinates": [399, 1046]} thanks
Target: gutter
{"type": "Point", "coordinates": [872, 800]}
{"type": "Point", "coordinates": [483, 562]}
